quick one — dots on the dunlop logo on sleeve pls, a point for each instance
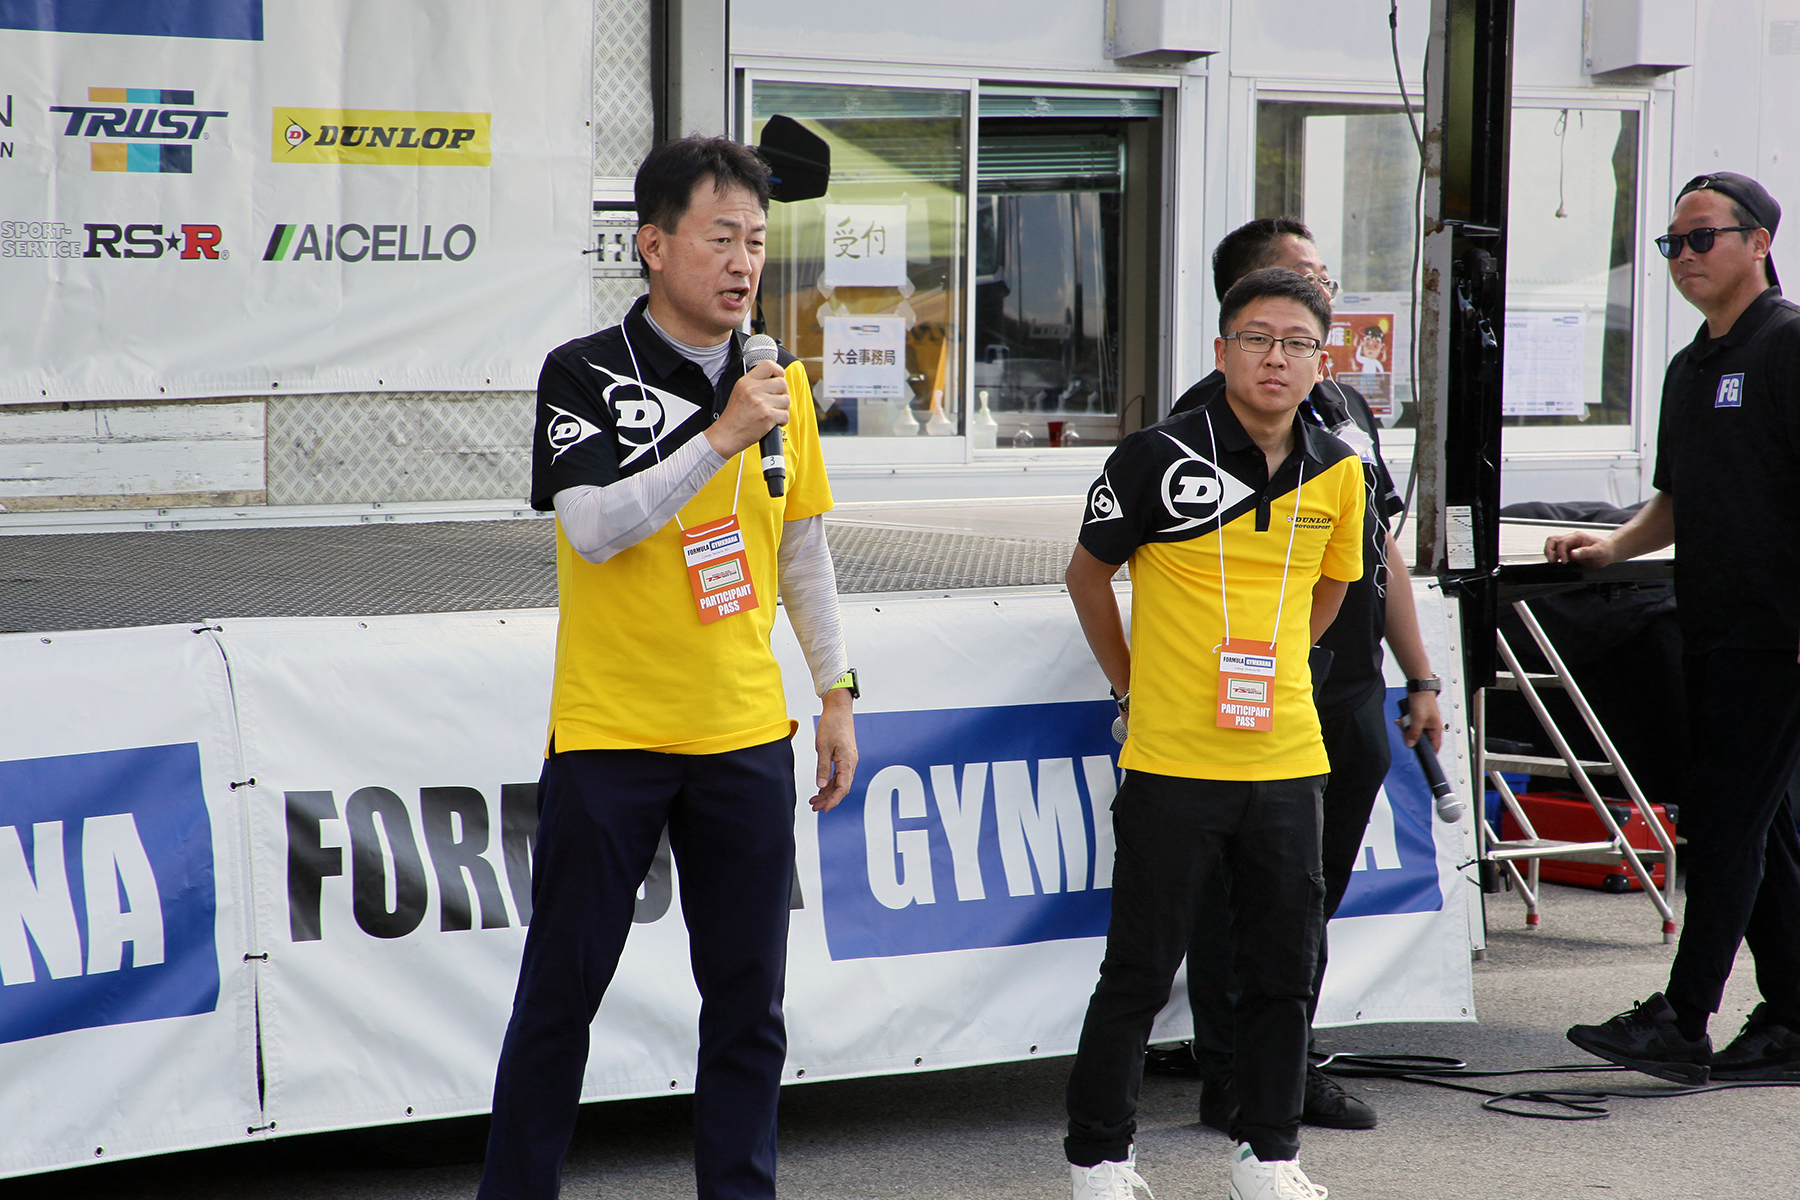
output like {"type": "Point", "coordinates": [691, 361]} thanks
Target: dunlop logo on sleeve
{"type": "Point", "coordinates": [370, 137]}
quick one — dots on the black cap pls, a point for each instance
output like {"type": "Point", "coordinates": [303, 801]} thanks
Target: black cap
{"type": "Point", "coordinates": [1750, 195]}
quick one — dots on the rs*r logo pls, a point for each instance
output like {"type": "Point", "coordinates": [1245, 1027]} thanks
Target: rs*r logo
{"type": "Point", "coordinates": [190, 242]}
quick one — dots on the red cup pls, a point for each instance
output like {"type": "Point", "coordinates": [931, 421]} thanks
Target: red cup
{"type": "Point", "coordinates": [1056, 431]}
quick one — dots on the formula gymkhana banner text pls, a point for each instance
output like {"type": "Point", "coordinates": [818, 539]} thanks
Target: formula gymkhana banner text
{"type": "Point", "coordinates": [306, 844]}
{"type": "Point", "coordinates": [229, 197]}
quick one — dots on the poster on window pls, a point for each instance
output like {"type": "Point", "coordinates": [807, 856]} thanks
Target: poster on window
{"type": "Point", "coordinates": [238, 197]}
{"type": "Point", "coordinates": [865, 245]}
{"type": "Point", "coordinates": [865, 357]}
{"type": "Point", "coordinates": [1544, 352]}
{"type": "Point", "coordinates": [1359, 353]}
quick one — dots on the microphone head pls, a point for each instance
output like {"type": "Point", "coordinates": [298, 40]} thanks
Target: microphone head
{"type": "Point", "coordinates": [758, 348]}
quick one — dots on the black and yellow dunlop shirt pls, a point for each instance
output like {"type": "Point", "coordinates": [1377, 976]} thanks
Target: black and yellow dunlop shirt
{"type": "Point", "coordinates": [635, 668]}
{"type": "Point", "coordinates": [1728, 451]}
{"type": "Point", "coordinates": [1168, 496]}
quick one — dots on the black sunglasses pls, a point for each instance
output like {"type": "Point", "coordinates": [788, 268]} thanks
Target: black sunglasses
{"type": "Point", "coordinates": [1700, 239]}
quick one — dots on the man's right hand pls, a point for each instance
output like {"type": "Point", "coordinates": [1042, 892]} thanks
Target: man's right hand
{"type": "Point", "coordinates": [1583, 548]}
{"type": "Point", "coordinates": [758, 403]}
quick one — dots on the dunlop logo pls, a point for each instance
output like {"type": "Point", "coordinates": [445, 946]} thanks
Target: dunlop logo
{"type": "Point", "coordinates": [370, 137]}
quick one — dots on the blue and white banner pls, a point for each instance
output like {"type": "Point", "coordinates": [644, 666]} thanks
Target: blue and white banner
{"type": "Point", "coordinates": [231, 197]}
{"type": "Point", "coordinates": [307, 844]}
{"type": "Point", "coordinates": [127, 990]}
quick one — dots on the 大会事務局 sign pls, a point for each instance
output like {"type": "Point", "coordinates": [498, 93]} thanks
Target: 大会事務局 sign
{"type": "Point", "coordinates": [249, 196]}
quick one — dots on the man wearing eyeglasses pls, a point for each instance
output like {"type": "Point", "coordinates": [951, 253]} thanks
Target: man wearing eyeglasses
{"type": "Point", "coordinates": [1243, 526]}
{"type": "Point", "coordinates": [1351, 699]}
{"type": "Point", "coordinates": [1728, 496]}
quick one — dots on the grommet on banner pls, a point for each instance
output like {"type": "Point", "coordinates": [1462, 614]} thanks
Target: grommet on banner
{"type": "Point", "coordinates": [250, 782]}
{"type": "Point", "coordinates": [208, 629]}
{"type": "Point", "coordinates": [263, 957]}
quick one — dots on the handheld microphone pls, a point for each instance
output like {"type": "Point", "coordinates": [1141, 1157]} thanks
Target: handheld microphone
{"type": "Point", "coordinates": [1449, 805]}
{"type": "Point", "coordinates": [759, 348]}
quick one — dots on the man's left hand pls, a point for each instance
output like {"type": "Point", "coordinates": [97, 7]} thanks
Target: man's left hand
{"type": "Point", "coordinates": [836, 741]}
{"type": "Point", "coordinates": [1426, 719]}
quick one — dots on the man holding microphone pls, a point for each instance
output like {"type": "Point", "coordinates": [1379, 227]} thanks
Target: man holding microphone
{"type": "Point", "coordinates": [667, 707]}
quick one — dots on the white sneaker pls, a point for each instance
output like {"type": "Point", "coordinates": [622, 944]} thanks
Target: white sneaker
{"type": "Point", "coordinates": [1108, 1180]}
{"type": "Point", "coordinates": [1281, 1179]}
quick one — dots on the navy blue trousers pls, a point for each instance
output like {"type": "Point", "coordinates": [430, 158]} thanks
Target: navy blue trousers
{"type": "Point", "coordinates": [730, 818]}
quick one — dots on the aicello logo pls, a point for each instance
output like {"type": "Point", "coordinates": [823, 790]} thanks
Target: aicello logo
{"type": "Point", "coordinates": [972, 827]}
{"type": "Point", "coordinates": [450, 847]}
{"type": "Point", "coordinates": [107, 899]}
{"type": "Point", "coordinates": [369, 243]}
{"type": "Point", "coordinates": [1396, 867]}
{"type": "Point", "coordinates": [155, 127]}
{"type": "Point", "coordinates": [373, 137]}
{"type": "Point", "coordinates": [190, 242]}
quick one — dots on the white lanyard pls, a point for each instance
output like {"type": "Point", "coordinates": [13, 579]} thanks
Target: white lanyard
{"type": "Point", "coordinates": [1293, 526]}
{"type": "Point", "coordinates": [656, 446]}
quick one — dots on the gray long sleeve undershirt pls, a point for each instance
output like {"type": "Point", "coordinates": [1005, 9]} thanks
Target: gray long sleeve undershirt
{"type": "Point", "coordinates": [599, 522]}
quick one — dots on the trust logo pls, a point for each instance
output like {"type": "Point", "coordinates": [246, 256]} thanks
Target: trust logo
{"type": "Point", "coordinates": [154, 128]}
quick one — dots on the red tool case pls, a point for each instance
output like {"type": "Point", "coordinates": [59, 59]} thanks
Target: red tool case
{"type": "Point", "coordinates": [1568, 817]}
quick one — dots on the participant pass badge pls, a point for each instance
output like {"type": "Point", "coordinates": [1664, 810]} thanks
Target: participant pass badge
{"type": "Point", "coordinates": [719, 569]}
{"type": "Point", "coordinates": [1247, 685]}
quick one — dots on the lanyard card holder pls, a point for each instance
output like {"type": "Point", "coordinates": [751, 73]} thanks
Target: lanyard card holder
{"type": "Point", "coordinates": [719, 569]}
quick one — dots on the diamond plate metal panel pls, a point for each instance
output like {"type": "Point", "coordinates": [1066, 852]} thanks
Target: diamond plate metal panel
{"type": "Point", "coordinates": [624, 112]}
{"type": "Point", "coordinates": [112, 580]}
{"type": "Point", "coordinates": [612, 299]}
{"type": "Point", "coordinates": [368, 446]}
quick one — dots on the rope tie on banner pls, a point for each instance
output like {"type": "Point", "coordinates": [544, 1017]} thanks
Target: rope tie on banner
{"type": "Point", "coordinates": [250, 782]}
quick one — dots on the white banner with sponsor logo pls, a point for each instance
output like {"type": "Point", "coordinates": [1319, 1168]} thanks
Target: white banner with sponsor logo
{"type": "Point", "coordinates": [951, 911]}
{"type": "Point", "coordinates": [127, 1002]}
{"type": "Point", "coordinates": [222, 197]}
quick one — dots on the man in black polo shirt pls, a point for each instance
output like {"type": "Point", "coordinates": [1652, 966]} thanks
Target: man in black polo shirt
{"type": "Point", "coordinates": [1728, 495]}
{"type": "Point", "coordinates": [1351, 700]}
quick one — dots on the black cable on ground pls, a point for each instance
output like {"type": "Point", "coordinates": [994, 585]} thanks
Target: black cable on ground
{"type": "Point", "coordinates": [1581, 1104]}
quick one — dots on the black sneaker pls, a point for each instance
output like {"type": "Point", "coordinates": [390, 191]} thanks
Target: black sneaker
{"type": "Point", "coordinates": [1174, 1059]}
{"type": "Point", "coordinates": [1219, 1104]}
{"type": "Point", "coordinates": [1329, 1106]}
{"type": "Point", "coordinates": [1766, 1049]}
{"type": "Point", "coordinates": [1645, 1039]}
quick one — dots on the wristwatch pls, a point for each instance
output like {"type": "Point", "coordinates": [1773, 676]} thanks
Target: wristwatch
{"type": "Point", "coordinates": [847, 680]}
{"type": "Point", "coordinates": [1429, 684]}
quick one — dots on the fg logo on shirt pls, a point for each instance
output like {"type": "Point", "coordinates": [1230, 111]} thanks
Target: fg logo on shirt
{"type": "Point", "coordinates": [1195, 491]}
{"type": "Point", "coordinates": [1731, 391]}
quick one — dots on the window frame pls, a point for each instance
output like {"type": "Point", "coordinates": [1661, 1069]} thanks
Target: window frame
{"type": "Point", "coordinates": [747, 71]}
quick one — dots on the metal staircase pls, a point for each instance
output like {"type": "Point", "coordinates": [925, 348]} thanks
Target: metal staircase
{"type": "Point", "coordinates": [1531, 849]}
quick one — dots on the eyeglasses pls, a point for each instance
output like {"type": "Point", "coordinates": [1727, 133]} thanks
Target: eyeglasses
{"type": "Point", "coordinates": [1326, 284]}
{"type": "Point", "coordinates": [1259, 343]}
{"type": "Point", "coordinates": [1700, 239]}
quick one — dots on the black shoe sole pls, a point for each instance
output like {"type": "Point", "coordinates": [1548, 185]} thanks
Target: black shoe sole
{"type": "Point", "coordinates": [1788, 1070]}
{"type": "Point", "coordinates": [1330, 1121]}
{"type": "Point", "coordinates": [1686, 1074]}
